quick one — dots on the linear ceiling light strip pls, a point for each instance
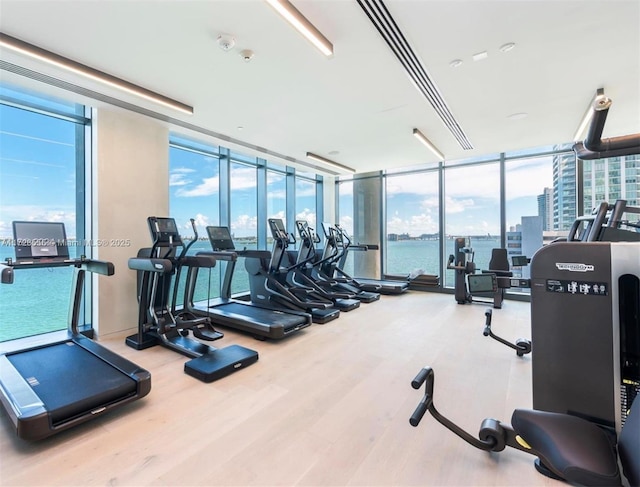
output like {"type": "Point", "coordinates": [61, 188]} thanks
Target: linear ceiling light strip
{"type": "Point", "coordinates": [35, 52]}
{"type": "Point", "coordinates": [324, 160]}
{"type": "Point", "coordinates": [64, 85]}
{"type": "Point", "coordinates": [381, 18]}
{"type": "Point", "coordinates": [299, 22]}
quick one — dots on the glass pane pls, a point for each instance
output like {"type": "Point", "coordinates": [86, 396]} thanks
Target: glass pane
{"type": "Point", "coordinates": [12, 93]}
{"type": "Point", "coordinates": [413, 224]}
{"type": "Point", "coordinates": [38, 160]}
{"type": "Point", "coordinates": [194, 193]}
{"type": "Point", "coordinates": [529, 209]}
{"type": "Point", "coordinates": [472, 210]}
{"type": "Point", "coordinates": [276, 198]}
{"type": "Point", "coordinates": [345, 216]}
{"type": "Point", "coordinates": [306, 202]}
{"type": "Point", "coordinates": [244, 217]}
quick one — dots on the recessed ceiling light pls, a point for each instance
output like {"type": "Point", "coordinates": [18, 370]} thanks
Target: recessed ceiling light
{"type": "Point", "coordinates": [334, 152]}
{"type": "Point", "coordinates": [480, 56]}
{"type": "Point", "coordinates": [507, 47]}
{"type": "Point", "coordinates": [455, 63]}
{"type": "Point", "coordinates": [240, 127]}
{"type": "Point", "coordinates": [518, 116]}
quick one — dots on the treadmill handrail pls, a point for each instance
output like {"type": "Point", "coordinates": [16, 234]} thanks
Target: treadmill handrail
{"type": "Point", "coordinates": [90, 265]}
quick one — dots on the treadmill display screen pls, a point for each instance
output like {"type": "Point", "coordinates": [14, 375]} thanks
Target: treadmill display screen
{"type": "Point", "coordinates": [40, 240]}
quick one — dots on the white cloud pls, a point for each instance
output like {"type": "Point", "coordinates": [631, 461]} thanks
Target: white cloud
{"type": "Point", "coordinates": [414, 225]}
{"type": "Point", "coordinates": [457, 205]}
{"type": "Point", "coordinates": [178, 179]}
{"type": "Point", "coordinates": [202, 221]}
{"type": "Point", "coordinates": [244, 225]}
{"type": "Point", "coordinates": [243, 177]}
{"type": "Point", "coordinates": [208, 187]}
{"type": "Point", "coordinates": [307, 215]}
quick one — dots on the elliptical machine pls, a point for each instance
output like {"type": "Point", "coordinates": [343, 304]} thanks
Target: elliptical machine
{"type": "Point", "coordinates": [159, 321]}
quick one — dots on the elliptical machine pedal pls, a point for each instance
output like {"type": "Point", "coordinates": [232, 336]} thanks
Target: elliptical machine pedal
{"type": "Point", "coordinates": [207, 333]}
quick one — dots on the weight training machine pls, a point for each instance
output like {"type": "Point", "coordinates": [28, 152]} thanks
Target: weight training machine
{"type": "Point", "coordinates": [567, 447]}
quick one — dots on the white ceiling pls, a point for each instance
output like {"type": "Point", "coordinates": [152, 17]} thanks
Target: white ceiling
{"type": "Point", "coordinates": [292, 100]}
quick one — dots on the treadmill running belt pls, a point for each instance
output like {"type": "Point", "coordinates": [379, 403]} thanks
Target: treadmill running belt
{"type": "Point", "coordinates": [69, 380]}
{"type": "Point", "coordinates": [260, 317]}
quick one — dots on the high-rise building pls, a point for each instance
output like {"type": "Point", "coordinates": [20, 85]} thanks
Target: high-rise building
{"type": "Point", "coordinates": [611, 179]}
{"type": "Point", "coordinates": [545, 209]}
{"type": "Point", "coordinates": [564, 191]}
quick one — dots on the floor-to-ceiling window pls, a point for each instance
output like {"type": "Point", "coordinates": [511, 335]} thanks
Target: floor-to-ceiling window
{"type": "Point", "coordinates": [472, 210]}
{"type": "Point", "coordinates": [194, 187]}
{"type": "Point", "coordinates": [344, 198]}
{"type": "Point", "coordinates": [244, 214]}
{"type": "Point", "coordinates": [276, 195]}
{"type": "Point", "coordinates": [42, 178]}
{"type": "Point", "coordinates": [412, 223]}
{"type": "Point", "coordinates": [529, 208]}
{"type": "Point", "coordinates": [306, 198]}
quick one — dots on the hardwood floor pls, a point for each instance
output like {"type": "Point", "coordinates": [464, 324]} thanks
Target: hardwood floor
{"type": "Point", "coordinates": [326, 407]}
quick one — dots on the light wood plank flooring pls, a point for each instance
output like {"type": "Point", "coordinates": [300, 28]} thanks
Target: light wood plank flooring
{"type": "Point", "coordinates": [326, 407]}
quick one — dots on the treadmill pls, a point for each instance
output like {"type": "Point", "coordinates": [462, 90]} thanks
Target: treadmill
{"type": "Point", "coordinates": [260, 321]}
{"type": "Point", "coordinates": [51, 387]}
{"type": "Point", "coordinates": [382, 286]}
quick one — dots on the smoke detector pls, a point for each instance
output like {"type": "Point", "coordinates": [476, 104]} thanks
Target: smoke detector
{"type": "Point", "coordinates": [226, 42]}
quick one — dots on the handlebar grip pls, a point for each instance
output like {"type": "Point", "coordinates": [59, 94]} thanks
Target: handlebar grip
{"type": "Point", "coordinates": [420, 378]}
{"type": "Point", "coordinates": [417, 415]}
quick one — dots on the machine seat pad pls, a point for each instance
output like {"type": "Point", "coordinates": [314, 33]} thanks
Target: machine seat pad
{"type": "Point", "coordinates": [575, 449]}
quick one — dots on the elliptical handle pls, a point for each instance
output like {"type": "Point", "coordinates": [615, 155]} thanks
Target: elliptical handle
{"type": "Point", "coordinates": [186, 248]}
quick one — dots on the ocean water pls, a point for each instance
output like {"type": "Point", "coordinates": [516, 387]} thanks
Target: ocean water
{"type": "Point", "coordinates": [39, 300]}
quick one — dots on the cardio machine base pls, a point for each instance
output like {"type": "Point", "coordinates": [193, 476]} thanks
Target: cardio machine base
{"type": "Point", "coordinates": [148, 340]}
{"type": "Point", "coordinates": [322, 316]}
{"type": "Point", "coordinates": [219, 363]}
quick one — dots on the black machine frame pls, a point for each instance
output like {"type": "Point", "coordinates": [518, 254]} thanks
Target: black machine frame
{"type": "Point", "coordinates": [171, 327]}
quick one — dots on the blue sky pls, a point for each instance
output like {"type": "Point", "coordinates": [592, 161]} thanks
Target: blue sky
{"type": "Point", "coordinates": [194, 192]}
{"type": "Point", "coordinates": [37, 169]}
